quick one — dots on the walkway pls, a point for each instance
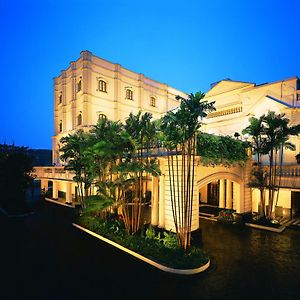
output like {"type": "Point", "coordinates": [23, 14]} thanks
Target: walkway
{"type": "Point", "coordinates": [46, 259]}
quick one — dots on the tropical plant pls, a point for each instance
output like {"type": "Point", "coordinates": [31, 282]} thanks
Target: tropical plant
{"type": "Point", "coordinates": [221, 150]}
{"type": "Point", "coordinates": [110, 145]}
{"type": "Point", "coordinates": [277, 132]}
{"type": "Point", "coordinates": [180, 129]}
{"type": "Point", "coordinates": [270, 134]}
{"type": "Point", "coordinates": [137, 167]}
{"type": "Point", "coordinates": [74, 154]}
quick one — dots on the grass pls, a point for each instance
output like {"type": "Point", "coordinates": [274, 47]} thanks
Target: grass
{"type": "Point", "coordinates": [159, 248]}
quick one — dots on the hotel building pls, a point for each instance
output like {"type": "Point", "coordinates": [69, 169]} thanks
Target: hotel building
{"type": "Point", "coordinates": [92, 88]}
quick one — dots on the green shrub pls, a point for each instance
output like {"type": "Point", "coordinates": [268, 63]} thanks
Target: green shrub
{"type": "Point", "coordinates": [160, 248]}
{"type": "Point", "coordinates": [150, 233]}
{"type": "Point", "coordinates": [170, 240]}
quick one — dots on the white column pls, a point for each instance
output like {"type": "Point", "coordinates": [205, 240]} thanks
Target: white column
{"type": "Point", "coordinates": [44, 184]}
{"type": "Point", "coordinates": [222, 193]}
{"type": "Point", "coordinates": [154, 201]}
{"type": "Point", "coordinates": [55, 190]}
{"type": "Point", "coordinates": [161, 210]}
{"type": "Point", "coordinates": [228, 194]}
{"type": "Point", "coordinates": [69, 192]}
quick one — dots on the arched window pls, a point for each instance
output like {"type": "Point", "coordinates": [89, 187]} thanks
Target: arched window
{"type": "Point", "coordinates": [60, 98]}
{"type": "Point", "coordinates": [60, 126]}
{"type": "Point", "coordinates": [102, 117]}
{"type": "Point", "coordinates": [153, 101]}
{"type": "Point", "coordinates": [79, 119]}
{"type": "Point", "coordinates": [102, 87]}
{"type": "Point", "coordinates": [129, 94]}
{"type": "Point", "coordinates": [79, 85]}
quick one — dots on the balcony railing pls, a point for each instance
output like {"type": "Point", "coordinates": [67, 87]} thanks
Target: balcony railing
{"type": "Point", "coordinates": [290, 176]}
{"type": "Point", "coordinates": [53, 173]}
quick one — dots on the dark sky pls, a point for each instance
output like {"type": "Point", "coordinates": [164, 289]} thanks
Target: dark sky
{"type": "Point", "coordinates": [186, 44]}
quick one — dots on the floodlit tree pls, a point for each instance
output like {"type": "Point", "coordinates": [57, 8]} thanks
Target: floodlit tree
{"type": "Point", "coordinates": [180, 128]}
{"type": "Point", "coordinates": [259, 175]}
{"type": "Point", "coordinates": [270, 134]}
{"type": "Point", "coordinates": [74, 154]}
{"type": "Point", "coordinates": [277, 132]}
{"type": "Point", "coordinates": [139, 166]}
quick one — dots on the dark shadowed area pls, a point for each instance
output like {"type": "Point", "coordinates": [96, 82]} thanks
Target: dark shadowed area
{"type": "Point", "coordinates": [46, 258]}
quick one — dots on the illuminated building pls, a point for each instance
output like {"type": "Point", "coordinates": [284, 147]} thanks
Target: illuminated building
{"type": "Point", "coordinates": [92, 88]}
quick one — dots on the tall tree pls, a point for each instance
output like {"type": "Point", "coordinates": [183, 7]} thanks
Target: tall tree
{"type": "Point", "coordinates": [259, 176]}
{"type": "Point", "coordinates": [180, 129]}
{"type": "Point", "coordinates": [270, 134]}
{"type": "Point", "coordinates": [277, 132]}
{"type": "Point", "coordinates": [74, 154]}
{"type": "Point", "coordinates": [139, 166]}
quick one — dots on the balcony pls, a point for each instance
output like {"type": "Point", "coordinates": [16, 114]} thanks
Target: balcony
{"type": "Point", "coordinates": [58, 173]}
{"type": "Point", "coordinates": [290, 176]}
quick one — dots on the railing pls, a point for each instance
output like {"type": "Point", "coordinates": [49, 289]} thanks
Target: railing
{"type": "Point", "coordinates": [290, 176]}
{"type": "Point", "coordinates": [285, 171]}
{"type": "Point", "coordinates": [53, 173]}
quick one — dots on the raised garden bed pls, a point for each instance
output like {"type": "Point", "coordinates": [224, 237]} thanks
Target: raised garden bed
{"type": "Point", "coordinates": [154, 250]}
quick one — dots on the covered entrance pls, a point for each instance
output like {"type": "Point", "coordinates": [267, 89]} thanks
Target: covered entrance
{"type": "Point", "coordinates": [213, 193]}
{"type": "Point", "coordinates": [295, 204]}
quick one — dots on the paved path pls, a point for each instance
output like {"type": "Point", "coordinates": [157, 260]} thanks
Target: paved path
{"type": "Point", "coordinates": [42, 258]}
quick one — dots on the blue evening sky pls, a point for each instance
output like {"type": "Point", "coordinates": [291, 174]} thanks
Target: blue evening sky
{"type": "Point", "coordinates": [186, 44]}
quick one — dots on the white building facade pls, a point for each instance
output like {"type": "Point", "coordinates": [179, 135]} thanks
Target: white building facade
{"type": "Point", "coordinates": [91, 88]}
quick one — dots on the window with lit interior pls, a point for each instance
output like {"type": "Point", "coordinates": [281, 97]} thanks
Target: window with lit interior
{"type": "Point", "coordinates": [129, 94]}
{"type": "Point", "coordinates": [102, 86]}
{"type": "Point", "coordinates": [79, 119]}
{"type": "Point", "coordinates": [102, 117]}
{"type": "Point", "coordinates": [153, 101]}
{"type": "Point", "coordinates": [79, 85]}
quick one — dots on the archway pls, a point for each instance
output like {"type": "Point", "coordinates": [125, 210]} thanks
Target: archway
{"type": "Point", "coordinates": [221, 190]}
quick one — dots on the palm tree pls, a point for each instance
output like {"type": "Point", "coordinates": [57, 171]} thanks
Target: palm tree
{"type": "Point", "coordinates": [110, 143]}
{"type": "Point", "coordinates": [139, 166]}
{"type": "Point", "coordinates": [270, 134]}
{"type": "Point", "coordinates": [277, 132]}
{"type": "Point", "coordinates": [180, 129]}
{"type": "Point", "coordinates": [74, 147]}
{"type": "Point", "coordinates": [256, 131]}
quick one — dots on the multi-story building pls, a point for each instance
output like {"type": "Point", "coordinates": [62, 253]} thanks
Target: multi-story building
{"type": "Point", "coordinates": [92, 88]}
{"type": "Point", "coordinates": [236, 102]}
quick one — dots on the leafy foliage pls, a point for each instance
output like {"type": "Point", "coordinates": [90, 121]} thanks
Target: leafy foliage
{"type": "Point", "coordinates": [162, 250]}
{"type": "Point", "coordinates": [180, 128]}
{"type": "Point", "coordinates": [270, 134]}
{"type": "Point", "coordinates": [221, 150]}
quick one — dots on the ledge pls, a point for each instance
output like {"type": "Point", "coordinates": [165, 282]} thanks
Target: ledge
{"type": "Point", "coordinates": [145, 259]}
{"type": "Point", "coordinates": [60, 203]}
{"type": "Point", "coordinates": [278, 230]}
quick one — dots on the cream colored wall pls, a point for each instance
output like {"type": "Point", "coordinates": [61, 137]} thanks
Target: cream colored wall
{"type": "Point", "coordinates": [90, 101]}
{"type": "Point", "coordinates": [284, 199]}
{"type": "Point", "coordinates": [254, 102]}
{"type": "Point", "coordinates": [203, 192]}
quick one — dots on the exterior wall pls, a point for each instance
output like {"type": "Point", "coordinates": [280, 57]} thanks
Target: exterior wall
{"type": "Point", "coordinates": [235, 103]}
{"type": "Point", "coordinates": [90, 102]}
{"type": "Point", "coordinates": [168, 215]}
